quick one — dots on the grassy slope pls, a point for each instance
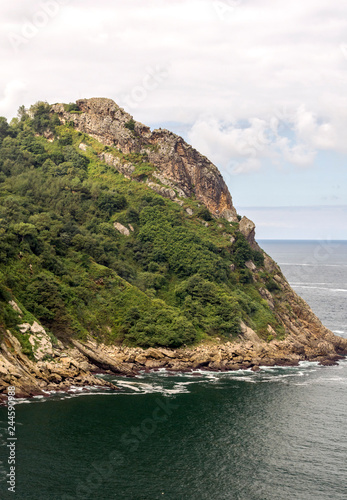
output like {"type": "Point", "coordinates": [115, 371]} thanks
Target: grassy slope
{"type": "Point", "coordinates": [168, 283]}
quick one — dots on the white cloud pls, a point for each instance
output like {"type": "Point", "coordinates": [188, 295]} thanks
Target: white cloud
{"type": "Point", "coordinates": [234, 69]}
{"type": "Point", "coordinates": [321, 136]}
{"type": "Point", "coordinates": [242, 149]}
{"type": "Point", "coordinates": [13, 94]}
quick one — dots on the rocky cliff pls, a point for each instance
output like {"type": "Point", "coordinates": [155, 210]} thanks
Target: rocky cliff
{"type": "Point", "coordinates": [100, 265]}
{"type": "Point", "coordinates": [179, 167]}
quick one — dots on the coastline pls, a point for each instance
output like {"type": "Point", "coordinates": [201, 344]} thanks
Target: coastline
{"type": "Point", "coordinates": [78, 365]}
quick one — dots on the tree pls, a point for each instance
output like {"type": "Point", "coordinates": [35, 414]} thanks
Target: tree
{"type": "Point", "coordinates": [23, 230]}
{"type": "Point", "coordinates": [22, 112]}
{"type": "Point", "coordinates": [4, 128]}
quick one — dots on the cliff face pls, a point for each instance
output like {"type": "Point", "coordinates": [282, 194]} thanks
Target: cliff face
{"type": "Point", "coordinates": [179, 166]}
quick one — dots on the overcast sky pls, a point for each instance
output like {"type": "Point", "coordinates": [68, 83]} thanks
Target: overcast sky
{"type": "Point", "coordinates": [259, 86]}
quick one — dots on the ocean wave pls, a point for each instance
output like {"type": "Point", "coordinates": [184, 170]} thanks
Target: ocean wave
{"type": "Point", "coordinates": [314, 264]}
{"type": "Point", "coordinates": [297, 283]}
{"type": "Point", "coordinates": [170, 384]}
{"type": "Point", "coordinates": [320, 288]}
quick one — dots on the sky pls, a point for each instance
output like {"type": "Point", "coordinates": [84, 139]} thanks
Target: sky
{"type": "Point", "coordinates": [258, 86]}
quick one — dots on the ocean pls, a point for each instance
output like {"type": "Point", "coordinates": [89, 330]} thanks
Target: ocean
{"type": "Point", "coordinates": [276, 434]}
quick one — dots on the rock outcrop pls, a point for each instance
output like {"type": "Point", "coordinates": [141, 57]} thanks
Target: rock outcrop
{"type": "Point", "coordinates": [179, 166]}
{"type": "Point", "coordinates": [247, 228]}
{"type": "Point", "coordinates": [39, 340]}
{"type": "Point", "coordinates": [64, 368]}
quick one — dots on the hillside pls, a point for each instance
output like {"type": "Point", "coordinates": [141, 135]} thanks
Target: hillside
{"type": "Point", "coordinates": [114, 238]}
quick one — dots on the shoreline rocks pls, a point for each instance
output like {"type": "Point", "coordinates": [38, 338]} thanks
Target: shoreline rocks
{"type": "Point", "coordinates": [78, 365]}
{"type": "Point", "coordinates": [31, 378]}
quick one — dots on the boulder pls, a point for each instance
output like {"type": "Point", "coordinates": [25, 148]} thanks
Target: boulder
{"type": "Point", "coordinates": [121, 229]}
{"type": "Point", "coordinates": [247, 334]}
{"type": "Point", "coordinates": [250, 265]}
{"type": "Point", "coordinates": [247, 228]}
{"type": "Point", "coordinates": [153, 353]}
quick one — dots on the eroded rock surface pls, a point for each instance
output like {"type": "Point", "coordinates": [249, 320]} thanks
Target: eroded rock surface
{"type": "Point", "coordinates": [179, 166]}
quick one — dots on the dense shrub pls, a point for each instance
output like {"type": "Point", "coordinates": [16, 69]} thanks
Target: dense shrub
{"type": "Point", "coordinates": [205, 214]}
{"type": "Point", "coordinates": [130, 124]}
{"type": "Point", "coordinates": [72, 106]}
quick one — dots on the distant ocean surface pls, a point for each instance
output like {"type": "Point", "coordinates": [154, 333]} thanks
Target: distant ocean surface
{"type": "Point", "coordinates": [276, 434]}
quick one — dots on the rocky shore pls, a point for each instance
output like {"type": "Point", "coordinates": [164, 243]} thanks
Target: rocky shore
{"type": "Point", "coordinates": [247, 352]}
{"type": "Point", "coordinates": [66, 368]}
{"type": "Point", "coordinates": [79, 364]}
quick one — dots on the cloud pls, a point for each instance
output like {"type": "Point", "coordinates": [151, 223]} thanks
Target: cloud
{"type": "Point", "coordinates": [13, 94]}
{"type": "Point", "coordinates": [307, 128]}
{"type": "Point", "coordinates": [242, 148]}
{"type": "Point", "coordinates": [256, 82]}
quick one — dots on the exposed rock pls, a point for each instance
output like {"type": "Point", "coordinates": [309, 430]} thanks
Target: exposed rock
{"type": "Point", "coordinates": [73, 366]}
{"type": "Point", "coordinates": [153, 363]}
{"type": "Point", "coordinates": [48, 134]}
{"type": "Point", "coordinates": [271, 331]}
{"type": "Point", "coordinates": [200, 359]}
{"type": "Point", "coordinates": [101, 359]}
{"type": "Point", "coordinates": [166, 192]}
{"type": "Point", "coordinates": [167, 353]}
{"type": "Point", "coordinates": [229, 214]}
{"type": "Point", "coordinates": [269, 264]}
{"type": "Point", "coordinates": [250, 265]}
{"type": "Point", "coordinates": [247, 228]}
{"type": "Point", "coordinates": [267, 296]}
{"type": "Point", "coordinates": [179, 202]}
{"type": "Point", "coordinates": [170, 184]}
{"type": "Point", "coordinates": [328, 362]}
{"type": "Point", "coordinates": [121, 229]}
{"type": "Point", "coordinates": [15, 307]}
{"type": "Point", "coordinates": [32, 378]}
{"type": "Point", "coordinates": [189, 211]}
{"type": "Point", "coordinates": [154, 353]}
{"type": "Point", "coordinates": [127, 169]}
{"type": "Point", "coordinates": [188, 172]}
{"type": "Point", "coordinates": [39, 340]}
{"type": "Point", "coordinates": [248, 334]}
{"type": "Point", "coordinates": [141, 359]}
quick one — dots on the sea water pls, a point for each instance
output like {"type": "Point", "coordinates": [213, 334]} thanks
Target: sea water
{"type": "Point", "coordinates": [279, 433]}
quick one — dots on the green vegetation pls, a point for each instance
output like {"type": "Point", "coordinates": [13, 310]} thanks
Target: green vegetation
{"type": "Point", "coordinates": [72, 107]}
{"type": "Point", "coordinates": [205, 214]}
{"type": "Point", "coordinates": [130, 124]}
{"type": "Point", "coordinates": [172, 281]}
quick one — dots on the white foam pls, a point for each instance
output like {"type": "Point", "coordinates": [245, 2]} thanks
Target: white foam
{"type": "Point", "coordinates": [310, 265]}
{"type": "Point", "coordinates": [172, 383]}
{"type": "Point", "coordinates": [321, 288]}
{"type": "Point", "coordinates": [298, 283]}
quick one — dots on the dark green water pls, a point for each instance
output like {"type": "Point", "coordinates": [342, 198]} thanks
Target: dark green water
{"type": "Point", "coordinates": [277, 434]}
